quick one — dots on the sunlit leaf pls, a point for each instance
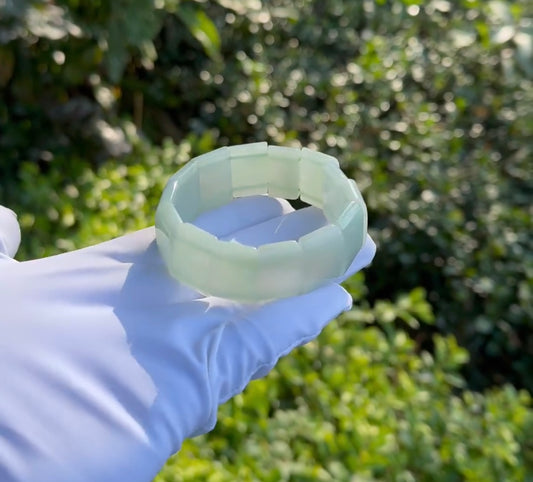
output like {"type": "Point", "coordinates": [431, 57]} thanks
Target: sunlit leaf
{"type": "Point", "coordinates": [462, 38]}
{"type": "Point", "coordinates": [50, 21]}
{"type": "Point", "coordinates": [503, 34]}
{"type": "Point", "coordinates": [500, 11]}
{"type": "Point", "coordinates": [242, 7]}
{"type": "Point", "coordinates": [524, 46]}
{"type": "Point", "coordinates": [201, 27]}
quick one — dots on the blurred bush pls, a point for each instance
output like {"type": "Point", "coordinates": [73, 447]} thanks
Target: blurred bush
{"type": "Point", "coordinates": [428, 105]}
{"type": "Point", "coordinates": [359, 405]}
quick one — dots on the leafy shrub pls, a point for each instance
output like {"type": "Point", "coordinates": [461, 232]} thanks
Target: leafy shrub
{"type": "Point", "coordinates": [428, 108]}
{"type": "Point", "coordinates": [362, 405]}
{"type": "Point", "coordinates": [427, 105]}
{"type": "Point", "coordinates": [70, 70]}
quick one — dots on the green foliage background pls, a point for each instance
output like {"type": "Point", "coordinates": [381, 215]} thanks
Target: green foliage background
{"type": "Point", "coordinates": [428, 105]}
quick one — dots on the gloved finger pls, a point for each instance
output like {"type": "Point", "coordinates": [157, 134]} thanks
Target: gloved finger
{"type": "Point", "coordinates": [288, 226]}
{"type": "Point", "coordinates": [132, 264]}
{"type": "Point", "coordinates": [239, 214]}
{"type": "Point", "coordinates": [362, 259]}
{"type": "Point", "coordinates": [250, 346]}
{"type": "Point", "coordinates": [293, 225]}
{"type": "Point", "coordinates": [242, 213]}
{"type": "Point", "coordinates": [9, 232]}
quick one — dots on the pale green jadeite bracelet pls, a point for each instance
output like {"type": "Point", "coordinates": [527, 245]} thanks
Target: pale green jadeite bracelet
{"type": "Point", "coordinates": [232, 270]}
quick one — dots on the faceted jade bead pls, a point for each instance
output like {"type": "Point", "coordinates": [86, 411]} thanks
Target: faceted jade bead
{"type": "Point", "coordinates": [353, 224]}
{"type": "Point", "coordinates": [284, 172]}
{"type": "Point", "coordinates": [280, 270]}
{"type": "Point", "coordinates": [214, 170]}
{"type": "Point", "coordinates": [167, 217]}
{"type": "Point", "coordinates": [322, 255]}
{"type": "Point", "coordinates": [249, 169]}
{"type": "Point", "coordinates": [233, 271]}
{"type": "Point", "coordinates": [354, 189]}
{"type": "Point", "coordinates": [164, 246]}
{"type": "Point", "coordinates": [337, 193]}
{"type": "Point", "coordinates": [312, 166]}
{"type": "Point", "coordinates": [191, 254]}
{"type": "Point", "coordinates": [186, 194]}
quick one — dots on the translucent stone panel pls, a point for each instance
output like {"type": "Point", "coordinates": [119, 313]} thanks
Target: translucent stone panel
{"type": "Point", "coordinates": [338, 193]}
{"type": "Point", "coordinates": [280, 270]}
{"type": "Point", "coordinates": [312, 166]}
{"type": "Point", "coordinates": [233, 272]}
{"type": "Point", "coordinates": [355, 190]}
{"type": "Point", "coordinates": [167, 194]}
{"type": "Point", "coordinates": [186, 194]}
{"type": "Point", "coordinates": [249, 169]}
{"type": "Point", "coordinates": [166, 217]}
{"type": "Point", "coordinates": [284, 172]}
{"type": "Point", "coordinates": [323, 256]}
{"type": "Point", "coordinates": [191, 254]}
{"type": "Point", "coordinates": [353, 224]}
{"type": "Point", "coordinates": [164, 247]}
{"type": "Point", "coordinates": [214, 171]}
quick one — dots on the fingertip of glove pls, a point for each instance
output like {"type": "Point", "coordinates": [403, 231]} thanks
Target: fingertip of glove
{"type": "Point", "coordinates": [349, 302]}
{"type": "Point", "coordinates": [344, 298]}
{"type": "Point", "coordinates": [8, 211]}
{"type": "Point", "coordinates": [365, 255]}
{"type": "Point", "coordinates": [334, 296]}
{"type": "Point", "coordinates": [9, 232]}
{"type": "Point", "coordinates": [321, 304]}
{"type": "Point", "coordinates": [372, 247]}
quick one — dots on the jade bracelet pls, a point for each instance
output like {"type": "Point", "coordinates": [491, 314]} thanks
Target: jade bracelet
{"type": "Point", "coordinates": [243, 273]}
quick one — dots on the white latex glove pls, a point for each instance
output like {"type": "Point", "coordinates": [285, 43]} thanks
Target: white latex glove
{"type": "Point", "coordinates": [9, 233]}
{"type": "Point", "coordinates": [107, 364]}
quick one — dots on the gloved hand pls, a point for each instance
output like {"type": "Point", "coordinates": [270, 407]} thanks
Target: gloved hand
{"type": "Point", "coordinates": [107, 364]}
{"type": "Point", "coordinates": [9, 233]}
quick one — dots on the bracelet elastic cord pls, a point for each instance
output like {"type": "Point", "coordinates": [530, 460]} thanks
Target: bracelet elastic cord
{"type": "Point", "coordinates": [231, 270]}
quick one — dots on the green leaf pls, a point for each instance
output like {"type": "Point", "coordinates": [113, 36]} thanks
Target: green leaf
{"type": "Point", "coordinates": [462, 38]}
{"type": "Point", "coordinates": [202, 28]}
{"type": "Point", "coordinates": [499, 12]}
{"type": "Point", "coordinates": [50, 22]}
{"type": "Point", "coordinates": [7, 65]}
{"type": "Point", "coordinates": [524, 49]}
{"type": "Point", "coordinates": [117, 54]}
{"type": "Point", "coordinates": [126, 31]}
{"type": "Point", "coordinates": [503, 34]}
{"type": "Point", "coordinates": [242, 7]}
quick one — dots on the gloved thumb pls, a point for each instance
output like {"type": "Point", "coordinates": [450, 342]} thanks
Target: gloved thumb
{"type": "Point", "coordinates": [250, 345]}
{"type": "Point", "coordinates": [9, 233]}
